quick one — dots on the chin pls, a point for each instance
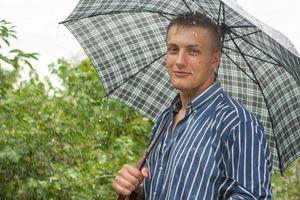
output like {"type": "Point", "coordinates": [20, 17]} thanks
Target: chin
{"type": "Point", "coordinates": [179, 84]}
{"type": "Point", "coordinates": [181, 87]}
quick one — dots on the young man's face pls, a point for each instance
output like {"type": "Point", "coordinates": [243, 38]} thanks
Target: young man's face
{"type": "Point", "coordinates": [191, 59]}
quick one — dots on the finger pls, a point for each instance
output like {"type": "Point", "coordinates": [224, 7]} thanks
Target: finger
{"type": "Point", "coordinates": [126, 183]}
{"type": "Point", "coordinates": [125, 174]}
{"type": "Point", "coordinates": [133, 171]}
{"type": "Point", "coordinates": [145, 171]}
{"type": "Point", "coordinates": [131, 174]}
{"type": "Point", "coordinates": [121, 190]}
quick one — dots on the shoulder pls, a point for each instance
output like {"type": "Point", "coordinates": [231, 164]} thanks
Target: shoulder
{"type": "Point", "coordinates": [238, 112]}
{"type": "Point", "coordinates": [237, 117]}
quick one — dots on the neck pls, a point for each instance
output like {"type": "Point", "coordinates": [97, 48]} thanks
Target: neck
{"type": "Point", "coordinates": [187, 96]}
{"type": "Point", "coordinates": [185, 100]}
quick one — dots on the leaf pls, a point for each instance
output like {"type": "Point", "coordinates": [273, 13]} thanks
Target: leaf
{"type": "Point", "coordinates": [9, 156]}
{"type": "Point", "coordinates": [28, 63]}
{"type": "Point", "coordinates": [6, 41]}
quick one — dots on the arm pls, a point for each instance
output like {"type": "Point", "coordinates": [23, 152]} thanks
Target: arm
{"type": "Point", "coordinates": [247, 167]}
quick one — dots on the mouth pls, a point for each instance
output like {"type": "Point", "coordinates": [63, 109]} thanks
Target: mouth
{"type": "Point", "coordinates": [182, 73]}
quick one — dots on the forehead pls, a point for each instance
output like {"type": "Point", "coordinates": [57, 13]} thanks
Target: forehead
{"type": "Point", "coordinates": [194, 31]}
{"type": "Point", "coordinates": [189, 34]}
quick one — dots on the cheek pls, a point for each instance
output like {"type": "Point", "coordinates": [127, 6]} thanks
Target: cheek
{"type": "Point", "coordinates": [168, 66]}
{"type": "Point", "coordinates": [170, 62]}
{"type": "Point", "coordinates": [170, 58]}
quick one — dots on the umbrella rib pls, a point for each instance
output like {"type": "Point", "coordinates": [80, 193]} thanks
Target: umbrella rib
{"type": "Point", "coordinates": [278, 63]}
{"type": "Point", "coordinates": [207, 13]}
{"type": "Point", "coordinates": [241, 36]}
{"type": "Point", "coordinates": [187, 5]}
{"type": "Point", "coordinates": [131, 76]}
{"type": "Point", "coordinates": [223, 9]}
{"type": "Point", "coordinates": [163, 15]}
{"type": "Point", "coordinates": [218, 24]}
{"type": "Point", "coordinates": [243, 26]}
{"type": "Point", "coordinates": [219, 14]}
{"type": "Point", "coordinates": [250, 56]}
{"type": "Point", "coordinates": [116, 12]}
{"type": "Point", "coordinates": [255, 81]}
{"type": "Point", "coordinates": [265, 99]}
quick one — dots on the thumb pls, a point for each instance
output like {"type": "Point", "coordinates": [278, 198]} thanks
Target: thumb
{"type": "Point", "coordinates": [145, 171]}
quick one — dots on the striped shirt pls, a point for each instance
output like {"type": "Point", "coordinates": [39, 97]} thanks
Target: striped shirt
{"type": "Point", "coordinates": [217, 151]}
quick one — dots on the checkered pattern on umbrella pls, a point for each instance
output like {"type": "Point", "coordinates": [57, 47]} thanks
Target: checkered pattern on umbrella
{"type": "Point", "coordinates": [125, 39]}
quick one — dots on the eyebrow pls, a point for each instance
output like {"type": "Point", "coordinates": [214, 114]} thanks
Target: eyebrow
{"type": "Point", "coordinates": [193, 46]}
{"type": "Point", "coordinates": [188, 46]}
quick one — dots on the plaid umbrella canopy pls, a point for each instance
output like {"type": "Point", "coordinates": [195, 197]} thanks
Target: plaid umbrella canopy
{"type": "Point", "coordinates": [125, 40]}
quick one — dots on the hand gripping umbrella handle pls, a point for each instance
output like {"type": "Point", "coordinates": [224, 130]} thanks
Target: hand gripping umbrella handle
{"type": "Point", "coordinates": [139, 166]}
{"type": "Point", "coordinates": [142, 161]}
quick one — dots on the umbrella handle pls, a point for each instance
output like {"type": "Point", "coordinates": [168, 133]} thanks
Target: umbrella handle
{"type": "Point", "coordinates": [143, 159]}
{"type": "Point", "coordinates": [133, 196]}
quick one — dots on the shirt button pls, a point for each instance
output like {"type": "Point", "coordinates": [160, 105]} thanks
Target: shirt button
{"type": "Point", "coordinates": [160, 168]}
{"type": "Point", "coordinates": [154, 193]}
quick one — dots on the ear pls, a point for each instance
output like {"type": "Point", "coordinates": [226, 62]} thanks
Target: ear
{"type": "Point", "coordinates": [216, 58]}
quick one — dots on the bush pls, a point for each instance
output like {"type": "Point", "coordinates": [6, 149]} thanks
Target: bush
{"type": "Point", "coordinates": [69, 144]}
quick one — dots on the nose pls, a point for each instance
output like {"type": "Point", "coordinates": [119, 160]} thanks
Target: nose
{"type": "Point", "coordinates": [181, 59]}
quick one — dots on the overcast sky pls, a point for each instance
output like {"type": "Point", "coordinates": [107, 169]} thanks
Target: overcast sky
{"type": "Point", "coordinates": [38, 30]}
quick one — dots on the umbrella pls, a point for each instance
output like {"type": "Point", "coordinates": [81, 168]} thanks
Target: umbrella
{"type": "Point", "coordinates": [125, 40]}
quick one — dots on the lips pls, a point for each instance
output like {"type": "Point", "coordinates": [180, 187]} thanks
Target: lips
{"type": "Point", "coordinates": [182, 73]}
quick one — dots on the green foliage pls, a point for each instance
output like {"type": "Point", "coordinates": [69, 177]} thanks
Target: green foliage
{"type": "Point", "coordinates": [67, 143]}
{"type": "Point", "coordinates": [288, 186]}
{"type": "Point", "coordinates": [11, 57]}
{"type": "Point", "coordinates": [61, 143]}
{"type": "Point", "coordinates": [15, 56]}
{"type": "Point", "coordinates": [6, 32]}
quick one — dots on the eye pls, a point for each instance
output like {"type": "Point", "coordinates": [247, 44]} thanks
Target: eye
{"type": "Point", "coordinates": [194, 52]}
{"type": "Point", "coordinates": [172, 50]}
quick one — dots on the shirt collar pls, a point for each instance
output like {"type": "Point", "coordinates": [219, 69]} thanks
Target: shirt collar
{"type": "Point", "coordinates": [205, 97]}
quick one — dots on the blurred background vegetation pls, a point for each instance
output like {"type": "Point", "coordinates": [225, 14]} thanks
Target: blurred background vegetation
{"type": "Point", "coordinates": [68, 142]}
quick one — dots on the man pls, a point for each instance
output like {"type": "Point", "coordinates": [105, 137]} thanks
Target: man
{"type": "Point", "coordinates": [212, 147]}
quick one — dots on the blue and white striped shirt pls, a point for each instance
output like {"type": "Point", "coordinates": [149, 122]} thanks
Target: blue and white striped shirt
{"type": "Point", "coordinates": [217, 151]}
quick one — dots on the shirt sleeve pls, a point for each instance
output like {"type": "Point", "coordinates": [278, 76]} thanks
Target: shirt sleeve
{"type": "Point", "coordinates": [246, 162]}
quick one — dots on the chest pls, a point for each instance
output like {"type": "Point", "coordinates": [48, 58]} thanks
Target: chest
{"type": "Point", "coordinates": [193, 143]}
{"type": "Point", "coordinates": [187, 157]}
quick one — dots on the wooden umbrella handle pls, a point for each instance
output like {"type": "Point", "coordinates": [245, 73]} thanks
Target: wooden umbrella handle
{"type": "Point", "coordinates": [133, 196]}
